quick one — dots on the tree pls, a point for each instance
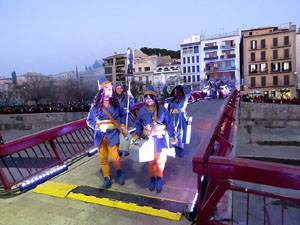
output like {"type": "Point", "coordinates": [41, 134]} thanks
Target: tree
{"type": "Point", "coordinates": [37, 88]}
{"type": "Point", "coordinates": [161, 52]}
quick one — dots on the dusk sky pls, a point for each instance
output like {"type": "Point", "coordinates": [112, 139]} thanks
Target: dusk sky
{"type": "Point", "coordinates": [54, 36]}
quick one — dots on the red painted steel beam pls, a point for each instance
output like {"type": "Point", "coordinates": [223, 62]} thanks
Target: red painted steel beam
{"type": "Point", "coordinates": [267, 173]}
{"type": "Point", "coordinates": [41, 137]}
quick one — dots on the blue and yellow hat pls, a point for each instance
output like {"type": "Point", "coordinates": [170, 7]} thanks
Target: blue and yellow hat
{"type": "Point", "coordinates": [102, 81]}
{"type": "Point", "coordinates": [150, 91]}
{"type": "Point", "coordinates": [119, 83]}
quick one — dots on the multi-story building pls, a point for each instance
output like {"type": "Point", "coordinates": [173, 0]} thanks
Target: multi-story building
{"type": "Point", "coordinates": [115, 67]}
{"type": "Point", "coordinates": [220, 58]}
{"type": "Point", "coordinates": [190, 62]}
{"type": "Point", "coordinates": [269, 61]}
{"type": "Point", "coordinates": [170, 72]}
{"type": "Point", "coordinates": [143, 68]}
{"type": "Point", "coordinates": [298, 61]}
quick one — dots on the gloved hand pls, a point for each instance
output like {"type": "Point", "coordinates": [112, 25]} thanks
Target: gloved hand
{"type": "Point", "coordinates": [101, 127]}
{"type": "Point", "coordinates": [124, 130]}
{"type": "Point", "coordinates": [173, 140]}
{"type": "Point", "coordinates": [132, 141]}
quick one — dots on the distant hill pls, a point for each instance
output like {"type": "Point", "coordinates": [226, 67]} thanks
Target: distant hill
{"type": "Point", "coordinates": [161, 52]}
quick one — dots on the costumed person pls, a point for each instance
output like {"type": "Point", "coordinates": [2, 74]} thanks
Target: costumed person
{"type": "Point", "coordinates": [106, 133]}
{"type": "Point", "coordinates": [123, 100]}
{"type": "Point", "coordinates": [154, 120]}
{"type": "Point", "coordinates": [177, 107]}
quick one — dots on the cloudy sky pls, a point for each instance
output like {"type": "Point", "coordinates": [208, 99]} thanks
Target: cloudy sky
{"type": "Point", "coordinates": [54, 36]}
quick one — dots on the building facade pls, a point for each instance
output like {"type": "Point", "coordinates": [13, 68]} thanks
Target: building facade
{"type": "Point", "coordinates": [190, 62]}
{"type": "Point", "coordinates": [298, 61]}
{"type": "Point", "coordinates": [115, 67]}
{"type": "Point", "coordinates": [220, 58]}
{"type": "Point", "coordinates": [269, 61]}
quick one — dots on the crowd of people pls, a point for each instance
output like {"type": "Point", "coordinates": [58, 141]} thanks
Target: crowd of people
{"type": "Point", "coordinates": [165, 127]}
{"type": "Point", "coordinates": [264, 99]}
{"type": "Point", "coordinates": [46, 108]}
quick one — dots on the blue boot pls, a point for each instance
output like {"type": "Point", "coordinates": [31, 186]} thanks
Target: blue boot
{"type": "Point", "coordinates": [159, 185]}
{"type": "Point", "coordinates": [107, 183]}
{"type": "Point", "coordinates": [152, 184]}
{"type": "Point", "coordinates": [180, 152]}
{"type": "Point", "coordinates": [120, 178]}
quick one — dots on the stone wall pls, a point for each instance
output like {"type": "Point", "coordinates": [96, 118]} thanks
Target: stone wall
{"type": "Point", "coordinates": [268, 114]}
{"type": "Point", "coordinates": [38, 120]}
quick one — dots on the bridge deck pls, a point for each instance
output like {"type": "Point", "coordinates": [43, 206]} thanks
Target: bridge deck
{"type": "Point", "coordinates": [179, 183]}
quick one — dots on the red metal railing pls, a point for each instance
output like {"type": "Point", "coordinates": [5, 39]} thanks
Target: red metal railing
{"type": "Point", "coordinates": [225, 173]}
{"type": "Point", "coordinates": [28, 156]}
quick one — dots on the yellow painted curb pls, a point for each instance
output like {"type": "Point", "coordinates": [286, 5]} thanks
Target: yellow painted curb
{"type": "Point", "coordinates": [56, 189]}
{"type": "Point", "coordinates": [126, 206]}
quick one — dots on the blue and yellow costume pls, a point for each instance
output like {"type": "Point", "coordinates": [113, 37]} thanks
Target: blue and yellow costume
{"type": "Point", "coordinates": [162, 130]}
{"type": "Point", "coordinates": [107, 141]}
{"type": "Point", "coordinates": [123, 98]}
{"type": "Point", "coordinates": [179, 116]}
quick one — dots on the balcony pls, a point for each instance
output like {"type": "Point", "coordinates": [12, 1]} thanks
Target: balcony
{"type": "Point", "coordinates": [258, 48]}
{"type": "Point", "coordinates": [281, 57]}
{"type": "Point", "coordinates": [281, 71]}
{"type": "Point", "coordinates": [213, 69]}
{"type": "Point", "coordinates": [210, 48]}
{"type": "Point", "coordinates": [281, 45]}
{"type": "Point", "coordinates": [230, 56]}
{"type": "Point", "coordinates": [211, 58]}
{"type": "Point", "coordinates": [228, 46]}
{"type": "Point", "coordinates": [258, 72]}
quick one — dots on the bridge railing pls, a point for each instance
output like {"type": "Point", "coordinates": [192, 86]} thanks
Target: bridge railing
{"type": "Point", "coordinates": [28, 156]}
{"type": "Point", "coordinates": [218, 172]}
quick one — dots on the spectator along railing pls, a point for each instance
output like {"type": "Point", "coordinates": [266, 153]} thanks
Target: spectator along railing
{"type": "Point", "coordinates": [219, 173]}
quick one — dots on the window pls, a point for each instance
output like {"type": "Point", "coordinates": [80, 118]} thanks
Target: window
{"type": "Point", "coordinates": [196, 49]}
{"type": "Point", "coordinates": [275, 54]}
{"type": "Point", "coordinates": [253, 44]}
{"type": "Point", "coordinates": [193, 69]}
{"type": "Point", "coordinates": [252, 68]}
{"type": "Point", "coordinates": [147, 79]}
{"type": "Point", "coordinates": [198, 77]}
{"type": "Point", "coordinates": [197, 58]}
{"type": "Point", "coordinates": [189, 69]}
{"type": "Point", "coordinates": [286, 53]}
{"type": "Point", "coordinates": [252, 81]}
{"type": "Point", "coordinates": [108, 70]}
{"type": "Point", "coordinates": [275, 42]}
{"type": "Point", "coordinates": [194, 79]}
{"type": "Point", "coordinates": [275, 80]}
{"type": "Point", "coordinates": [250, 33]}
{"type": "Point", "coordinates": [193, 59]}
{"type": "Point", "coordinates": [263, 81]}
{"type": "Point", "coordinates": [263, 55]}
{"type": "Point", "coordinates": [252, 56]}
{"type": "Point", "coordinates": [140, 69]}
{"type": "Point", "coordinates": [286, 40]}
{"type": "Point", "coordinates": [198, 68]}
{"type": "Point", "coordinates": [286, 80]}
{"type": "Point", "coordinates": [184, 69]}
{"type": "Point", "coordinates": [140, 79]}
{"type": "Point", "coordinates": [183, 60]}
{"type": "Point", "coordinates": [147, 69]}
{"type": "Point", "coordinates": [286, 66]}
{"type": "Point", "coordinates": [275, 67]}
{"type": "Point", "coordinates": [184, 79]}
{"type": "Point", "coordinates": [263, 43]}
{"type": "Point", "coordinates": [188, 59]}
{"type": "Point", "coordinates": [189, 79]}
{"type": "Point", "coordinates": [263, 67]}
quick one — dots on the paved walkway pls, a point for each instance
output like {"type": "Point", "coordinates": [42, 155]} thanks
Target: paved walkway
{"type": "Point", "coordinates": [179, 183]}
